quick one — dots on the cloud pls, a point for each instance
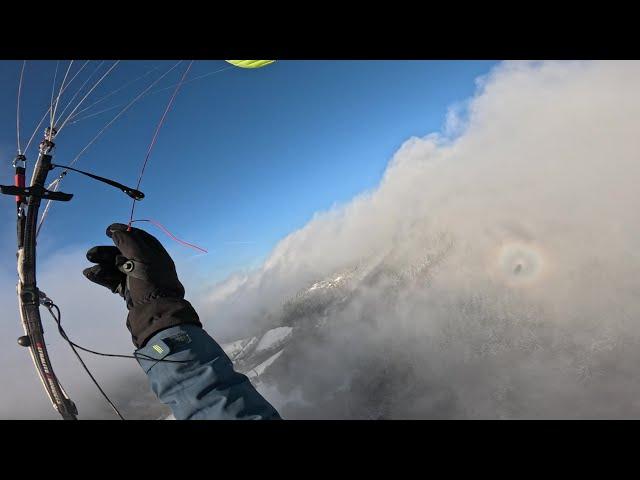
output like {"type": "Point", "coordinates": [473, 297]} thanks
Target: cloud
{"type": "Point", "coordinates": [92, 318]}
{"type": "Point", "coordinates": [534, 310]}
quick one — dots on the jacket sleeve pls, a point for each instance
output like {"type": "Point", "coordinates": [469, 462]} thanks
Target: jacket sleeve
{"type": "Point", "coordinates": [196, 379]}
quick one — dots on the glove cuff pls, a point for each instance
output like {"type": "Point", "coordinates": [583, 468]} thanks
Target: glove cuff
{"type": "Point", "coordinates": [145, 320]}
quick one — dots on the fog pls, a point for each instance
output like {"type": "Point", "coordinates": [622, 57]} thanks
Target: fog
{"type": "Point", "coordinates": [528, 199]}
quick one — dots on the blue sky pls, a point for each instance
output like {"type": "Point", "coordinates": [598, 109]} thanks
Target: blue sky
{"type": "Point", "coordinates": [245, 157]}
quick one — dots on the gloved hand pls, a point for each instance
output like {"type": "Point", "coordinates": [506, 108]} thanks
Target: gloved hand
{"type": "Point", "coordinates": [142, 272]}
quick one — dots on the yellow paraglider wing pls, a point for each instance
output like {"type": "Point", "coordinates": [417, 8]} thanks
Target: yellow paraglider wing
{"type": "Point", "coordinates": [250, 63]}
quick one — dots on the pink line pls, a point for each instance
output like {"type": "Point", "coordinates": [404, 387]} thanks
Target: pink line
{"type": "Point", "coordinates": [155, 135]}
{"type": "Point", "coordinates": [160, 226]}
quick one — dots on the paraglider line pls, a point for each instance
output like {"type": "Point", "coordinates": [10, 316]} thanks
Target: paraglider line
{"type": "Point", "coordinates": [18, 106]}
{"type": "Point", "coordinates": [155, 136]}
{"type": "Point", "coordinates": [164, 229]}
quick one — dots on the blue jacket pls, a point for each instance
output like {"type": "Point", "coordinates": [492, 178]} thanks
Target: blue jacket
{"type": "Point", "coordinates": [196, 378]}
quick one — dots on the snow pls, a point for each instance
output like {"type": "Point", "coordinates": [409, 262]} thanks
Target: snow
{"type": "Point", "coordinates": [260, 369]}
{"type": "Point", "coordinates": [273, 339]}
{"type": "Point", "coordinates": [326, 284]}
{"type": "Point", "coordinates": [233, 349]}
{"type": "Point", "coordinates": [247, 349]}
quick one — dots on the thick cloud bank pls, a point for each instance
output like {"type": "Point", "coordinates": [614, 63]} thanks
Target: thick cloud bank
{"type": "Point", "coordinates": [503, 264]}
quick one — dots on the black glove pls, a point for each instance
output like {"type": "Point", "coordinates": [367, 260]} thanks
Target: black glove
{"type": "Point", "coordinates": [142, 272]}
